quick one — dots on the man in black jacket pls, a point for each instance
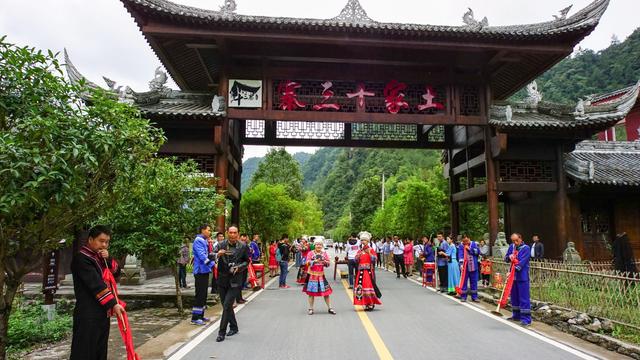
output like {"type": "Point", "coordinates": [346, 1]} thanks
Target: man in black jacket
{"type": "Point", "coordinates": [537, 248]}
{"type": "Point", "coordinates": [94, 299]}
{"type": "Point", "coordinates": [233, 259]}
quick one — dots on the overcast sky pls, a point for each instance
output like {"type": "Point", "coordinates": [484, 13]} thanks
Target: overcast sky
{"type": "Point", "coordinates": [102, 38]}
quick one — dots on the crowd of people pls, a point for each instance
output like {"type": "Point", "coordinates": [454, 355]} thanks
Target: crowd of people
{"type": "Point", "coordinates": [224, 264]}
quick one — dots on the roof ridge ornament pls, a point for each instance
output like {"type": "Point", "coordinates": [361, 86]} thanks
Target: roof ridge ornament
{"type": "Point", "coordinates": [229, 8]}
{"type": "Point", "coordinates": [562, 13]}
{"type": "Point", "coordinates": [533, 95]}
{"type": "Point", "coordinates": [353, 12]}
{"type": "Point", "coordinates": [469, 20]}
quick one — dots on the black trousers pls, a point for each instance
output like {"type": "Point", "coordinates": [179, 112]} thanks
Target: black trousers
{"type": "Point", "coordinates": [351, 265]}
{"type": "Point", "coordinates": [214, 284]}
{"type": "Point", "coordinates": [202, 285]}
{"type": "Point", "coordinates": [90, 338]}
{"type": "Point", "coordinates": [182, 275]}
{"type": "Point", "coordinates": [399, 261]}
{"type": "Point", "coordinates": [379, 259]}
{"type": "Point", "coordinates": [442, 276]}
{"type": "Point", "coordinates": [244, 282]}
{"type": "Point", "coordinates": [228, 296]}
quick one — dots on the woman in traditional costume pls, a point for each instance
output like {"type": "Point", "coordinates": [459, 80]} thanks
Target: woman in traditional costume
{"type": "Point", "coordinates": [408, 257]}
{"type": "Point", "coordinates": [273, 263]}
{"type": "Point", "coordinates": [304, 267]}
{"type": "Point", "coordinates": [453, 268]}
{"type": "Point", "coordinates": [316, 283]}
{"type": "Point", "coordinates": [365, 290]}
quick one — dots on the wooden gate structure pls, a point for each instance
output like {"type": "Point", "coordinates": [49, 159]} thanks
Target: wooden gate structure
{"type": "Point", "coordinates": [351, 81]}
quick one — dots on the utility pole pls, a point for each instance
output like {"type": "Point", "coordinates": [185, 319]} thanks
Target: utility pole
{"type": "Point", "coordinates": [383, 190]}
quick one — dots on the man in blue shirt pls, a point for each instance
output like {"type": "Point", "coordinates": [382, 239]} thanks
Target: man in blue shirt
{"type": "Point", "coordinates": [254, 248]}
{"type": "Point", "coordinates": [519, 254]}
{"type": "Point", "coordinates": [202, 265]}
{"type": "Point", "coordinates": [472, 251]}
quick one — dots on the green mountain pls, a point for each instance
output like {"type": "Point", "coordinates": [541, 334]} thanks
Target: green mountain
{"type": "Point", "coordinates": [588, 72]}
{"type": "Point", "coordinates": [250, 166]}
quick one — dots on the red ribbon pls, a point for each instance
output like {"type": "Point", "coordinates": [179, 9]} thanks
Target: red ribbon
{"type": "Point", "coordinates": [507, 290]}
{"type": "Point", "coordinates": [464, 271]}
{"type": "Point", "coordinates": [288, 97]}
{"type": "Point", "coordinates": [123, 321]}
{"type": "Point", "coordinates": [394, 97]}
{"type": "Point", "coordinates": [326, 95]}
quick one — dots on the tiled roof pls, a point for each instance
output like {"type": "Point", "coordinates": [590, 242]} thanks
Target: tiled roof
{"type": "Point", "coordinates": [585, 19]}
{"type": "Point", "coordinates": [557, 117]}
{"type": "Point", "coordinates": [605, 163]}
{"type": "Point", "coordinates": [186, 107]}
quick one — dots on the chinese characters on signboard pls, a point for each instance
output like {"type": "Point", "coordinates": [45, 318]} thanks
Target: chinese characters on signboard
{"type": "Point", "coordinates": [50, 275]}
{"type": "Point", "coordinates": [245, 93]}
{"type": "Point", "coordinates": [392, 97]}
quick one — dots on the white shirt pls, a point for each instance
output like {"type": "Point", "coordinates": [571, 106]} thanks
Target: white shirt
{"type": "Point", "coordinates": [397, 250]}
{"type": "Point", "coordinates": [379, 246]}
{"type": "Point", "coordinates": [533, 251]}
{"type": "Point", "coordinates": [352, 250]}
{"type": "Point", "coordinates": [418, 250]}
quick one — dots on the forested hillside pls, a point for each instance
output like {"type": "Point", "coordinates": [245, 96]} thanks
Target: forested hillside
{"type": "Point", "coordinates": [588, 72]}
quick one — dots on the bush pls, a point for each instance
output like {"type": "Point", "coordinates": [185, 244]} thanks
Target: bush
{"type": "Point", "coordinates": [28, 326]}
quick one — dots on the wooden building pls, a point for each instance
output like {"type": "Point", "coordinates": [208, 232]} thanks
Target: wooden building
{"type": "Point", "coordinates": [355, 82]}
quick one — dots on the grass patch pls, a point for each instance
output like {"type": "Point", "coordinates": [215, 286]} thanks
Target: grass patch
{"type": "Point", "coordinates": [28, 326]}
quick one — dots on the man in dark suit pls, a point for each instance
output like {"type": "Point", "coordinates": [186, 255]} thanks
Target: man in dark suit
{"type": "Point", "coordinates": [537, 248]}
{"type": "Point", "coordinates": [233, 259]}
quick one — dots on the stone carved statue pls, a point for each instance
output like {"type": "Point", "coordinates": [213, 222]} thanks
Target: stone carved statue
{"type": "Point", "coordinates": [218, 104]}
{"type": "Point", "coordinates": [570, 254]}
{"type": "Point", "coordinates": [533, 95]}
{"type": "Point", "coordinates": [470, 20]}
{"type": "Point", "coordinates": [229, 7]}
{"type": "Point", "coordinates": [159, 80]}
{"type": "Point", "coordinates": [132, 271]}
{"type": "Point", "coordinates": [500, 247]}
{"type": "Point", "coordinates": [579, 108]}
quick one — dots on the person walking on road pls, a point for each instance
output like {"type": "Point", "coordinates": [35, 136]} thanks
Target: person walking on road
{"type": "Point", "coordinates": [316, 284]}
{"type": "Point", "coordinates": [397, 249]}
{"type": "Point", "coordinates": [519, 254]}
{"type": "Point", "coordinates": [353, 246]}
{"type": "Point", "coordinates": [304, 266]}
{"type": "Point", "coordinates": [273, 263]}
{"type": "Point", "coordinates": [408, 257]}
{"type": "Point", "coordinates": [443, 262]}
{"type": "Point", "coordinates": [365, 291]}
{"type": "Point", "coordinates": [203, 262]}
{"type": "Point", "coordinates": [282, 255]}
{"type": "Point", "coordinates": [379, 250]}
{"type": "Point", "coordinates": [233, 259]}
{"type": "Point", "coordinates": [453, 267]}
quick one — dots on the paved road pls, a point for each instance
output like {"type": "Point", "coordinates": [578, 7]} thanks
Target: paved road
{"type": "Point", "coordinates": [413, 323]}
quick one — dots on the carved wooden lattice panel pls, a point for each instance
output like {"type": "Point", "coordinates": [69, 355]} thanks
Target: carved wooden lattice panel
{"type": "Point", "coordinates": [388, 132]}
{"type": "Point", "coordinates": [526, 171]}
{"type": "Point", "coordinates": [470, 100]}
{"type": "Point", "coordinates": [309, 130]}
{"type": "Point", "coordinates": [310, 93]}
{"type": "Point", "coordinates": [254, 129]}
{"type": "Point", "coordinates": [206, 162]}
{"type": "Point", "coordinates": [436, 134]}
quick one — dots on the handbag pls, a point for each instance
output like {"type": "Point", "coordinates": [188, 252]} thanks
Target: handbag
{"type": "Point", "coordinates": [278, 255]}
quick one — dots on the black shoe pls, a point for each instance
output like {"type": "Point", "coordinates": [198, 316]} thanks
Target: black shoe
{"type": "Point", "coordinates": [232, 332]}
{"type": "Point", "coordinates": [405, 276]}
{"type": "Point", "coordinates": [220, 338]}
{"type": "Point", "coordinates": [241, 301]}
{"type": "Point", "coordinates": [397, 276]}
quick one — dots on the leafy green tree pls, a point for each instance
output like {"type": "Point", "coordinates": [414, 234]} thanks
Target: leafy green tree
{"type": "Point", "coordinates": [267, 209]}
{"type": "Point", "coordinates": [279, 167]}
{"type": "Point", "coordinates": [365, 200]}
{"type": "Point", "coordinates": [59, 161]}
{"type": "Point", "coordinates": [161, 204]}
{"type": "Point", "coordinates": [307, 218]}
{"type": "Point", "coordinates": [343, 228]}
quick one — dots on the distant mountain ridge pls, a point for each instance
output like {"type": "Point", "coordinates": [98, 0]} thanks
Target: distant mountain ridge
{"type": "Point", "coordinates": [250, 166]}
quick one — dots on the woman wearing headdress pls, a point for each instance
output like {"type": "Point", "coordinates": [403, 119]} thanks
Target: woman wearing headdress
{"type": "Point", "coordinates": [316, 283]}
{"type": "Point", "coordinates": [304, 266]}
{"type": "Point", "coordinates": [365, 290]}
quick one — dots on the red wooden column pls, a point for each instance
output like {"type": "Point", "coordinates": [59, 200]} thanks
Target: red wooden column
{"type": "Point", "coordinates": [561, 202]}
{"type": "Point", "coordinates": [222, 167]}
{"type": "Point", "coordinates": [490, 171]}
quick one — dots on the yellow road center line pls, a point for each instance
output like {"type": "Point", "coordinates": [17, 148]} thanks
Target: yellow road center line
{"type": "Point", "coordinates": [375, 338]}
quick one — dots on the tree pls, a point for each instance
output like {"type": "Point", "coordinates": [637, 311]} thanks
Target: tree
{"type": "Point", "coordinates": [59, 160]}
{"type": "Point", "coordinates": [279, 167]}
{"type": "Point", "coordinates": [307, 216]}
{"type": "Point", "coordinates": [267, 210]}
{"type": "Point", "coordinates": [365, 199]}
{"type": "Point", "coordinates": [161, 203]}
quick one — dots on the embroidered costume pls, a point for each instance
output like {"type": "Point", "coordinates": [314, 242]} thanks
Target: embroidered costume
{"type": "Point", "coordinates": [316, 283]}
{"type": "Point", "coordinates": [365, 291]}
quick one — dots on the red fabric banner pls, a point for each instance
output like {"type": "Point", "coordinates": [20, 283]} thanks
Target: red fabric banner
{"type": "Point", "coordinates": [123, 321]}
{"type": "Point", "coordinates": [507, 290]}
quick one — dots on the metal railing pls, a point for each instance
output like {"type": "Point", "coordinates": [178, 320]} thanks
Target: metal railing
{"type": "Point", "coordinates": [593, 288]}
